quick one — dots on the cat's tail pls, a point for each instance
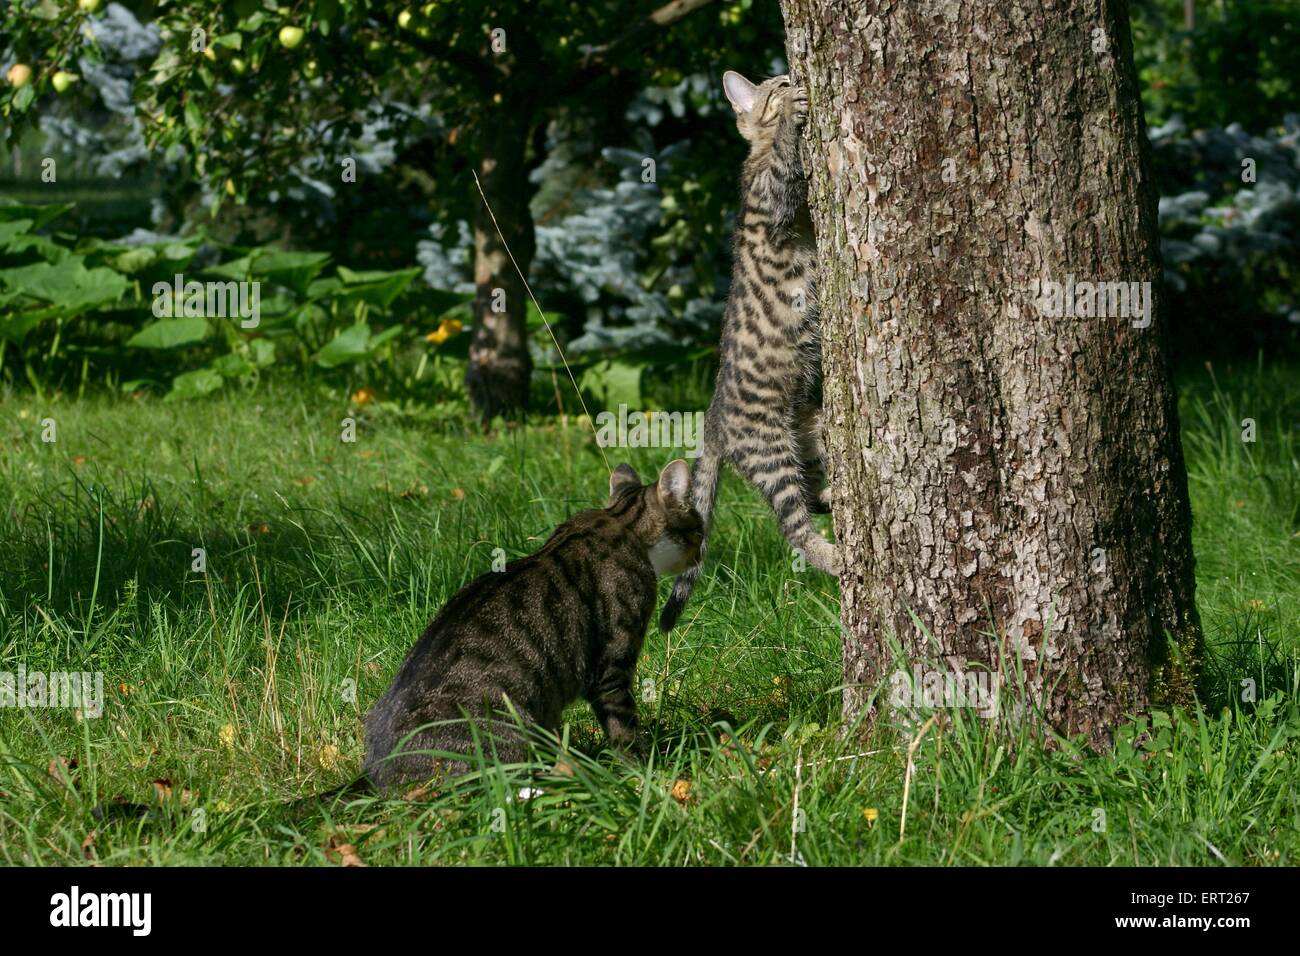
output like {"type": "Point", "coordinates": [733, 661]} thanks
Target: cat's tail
{"type": "Point", "coordinates": [704, 492]}
{"type": "Point", "coordinates": [113, 810]}
{"type": "Point", "coordinates": [361, 785]}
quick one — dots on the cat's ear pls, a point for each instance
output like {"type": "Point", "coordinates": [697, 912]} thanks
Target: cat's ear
{"type": "Point", "coordinates": [674, 486]}
{"type": "Point", "coordinates": [740, 92]}
{"type": "Point", "coordinates": [623, 477]}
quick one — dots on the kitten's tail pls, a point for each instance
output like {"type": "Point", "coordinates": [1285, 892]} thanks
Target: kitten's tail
{"type": "Point", "coordinates": [704, 492]}
{"type": "Point", "coordinates": [360, 785]}
{"type": "Point", "coordinates": [123, 810]}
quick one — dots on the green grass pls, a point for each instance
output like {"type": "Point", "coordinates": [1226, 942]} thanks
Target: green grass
{"type": "Point", "coordinates": [325, 560]}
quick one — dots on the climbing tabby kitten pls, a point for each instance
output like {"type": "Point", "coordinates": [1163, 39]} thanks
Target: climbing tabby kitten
{"type": "Point", "coordinates": [564, 622]}
{"type": "Point", "coordinates": [765, 416]}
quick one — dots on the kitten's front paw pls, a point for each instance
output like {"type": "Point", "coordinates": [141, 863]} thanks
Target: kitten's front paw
{"type": "Point", "coordinates": [796, 105]}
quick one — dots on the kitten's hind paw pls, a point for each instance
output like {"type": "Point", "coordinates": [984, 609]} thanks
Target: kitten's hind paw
{"type": "Point", "coordinates": [824, 556]}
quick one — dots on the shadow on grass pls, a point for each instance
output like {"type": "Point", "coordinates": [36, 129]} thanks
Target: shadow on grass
{"type": "Point", "coordinates": [91, 544]}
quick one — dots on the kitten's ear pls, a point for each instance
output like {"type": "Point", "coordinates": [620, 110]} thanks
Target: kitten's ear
{"type": "Point", "coordinates": [674, 486]}
{"type": "Point", "coordinates": [740, 92]}
{"type": "Point", "coordinates": [622, 477]}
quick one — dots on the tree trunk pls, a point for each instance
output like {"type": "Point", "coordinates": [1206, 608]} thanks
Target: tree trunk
{"type": "Point", "coordinates": [500, 366]}
{"type": "Point", "coordinates": [1012, 479]}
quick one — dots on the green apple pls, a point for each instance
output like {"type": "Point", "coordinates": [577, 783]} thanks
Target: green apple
{"type": "Point", "coordinates": [19, 75]}
{"type": "Point", "coordinates": [238, 66]}
{"type": "Point", "coordinates": [62, 80]}
{"type": "Point", "coordinates": [309, 69]}
{"type": "Point", "coordinates": [88, 6]}
{"type": "Point", "coordinates": [290, 37]}
{"type": "Point", "coordinates": [404, 19]}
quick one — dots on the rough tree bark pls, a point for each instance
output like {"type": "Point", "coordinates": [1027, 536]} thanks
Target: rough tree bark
{"type": "Point", "coordinates": [500, 367]}
{"type": "Point", "coordinates": [1014, 480]}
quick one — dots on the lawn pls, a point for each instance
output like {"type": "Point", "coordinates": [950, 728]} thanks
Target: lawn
{"type": "Point", "coordinates": [230, 693]}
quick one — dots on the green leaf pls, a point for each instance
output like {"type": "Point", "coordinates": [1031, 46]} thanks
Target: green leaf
{"type": "Point", "coordinates": [534, 318]}
{"type": "Point", "coordinates": [237, 269]}
{"type": "Point", "coordinates": [324, 288]}
{"type": "Point", "coordinates": [14, 326]}
{"type": "Point", "coordinates": [292, 269]}
{"type": "Point", "coordinates": [614, 382]}
{"type": "Point", "coordinates": [384, 336]}
{"type": "Point", "coordinates": [231, 365]}
{"type": "Point", "coordinates": [10, 231]}
{"type": "Point", "coordinates": [41, 214]}
{"type": "Point", "coordinates": [350, 345]}
{"type": "Point", "coordinates": [24, 97]}
{"type": "Point", "coordinates": [253, 22]}
{"type": "Point", "coordinates": [134, 260]}
{"type": "Point", "coordinates": [263, 352]}
{"type": "Point", "coordinates": [69, 285]}
{"type": "Point", "coordinates": [375, 287]}
{"type": "Point", "coordinates": [195, 384]}
{"type": "Point", "coordinates": [351, 277]}
{"type": "Point", "coordinates": [169, 334]}
{"type": "Point", "coordinates": [432, 305]}
{"type": "Point", "coordinates": [193, 116]}
{"type": "Point", "coordinates": [167, 64]}
{"type": "Point", "coordinates": [46, 248]}
{"type": "Point", "coordinates": [326, 12]}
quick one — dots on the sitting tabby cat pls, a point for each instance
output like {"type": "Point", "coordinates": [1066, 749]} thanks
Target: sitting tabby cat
{"type": "Point", "coordinates": [765, 416]}
{"type": "Point", "coordinates": [564, 622]}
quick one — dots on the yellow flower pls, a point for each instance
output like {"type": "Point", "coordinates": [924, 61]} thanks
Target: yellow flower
{"type": "Point", "coordinates": [328, 756]}
{"type": "Point", "coordinates": [227, 735]}
{"type": "Point", "coordinates": [781, 696]}
{"type": "Point", "coordinates": [871, 814]}
{"type": "Point", "coordinates": [443, 332]}
{"type": "Point", "coordinates": [363, 396]}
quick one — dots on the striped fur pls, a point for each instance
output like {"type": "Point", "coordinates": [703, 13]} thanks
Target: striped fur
{"type": "Point", "coordinates": [565, 622]}
{"type": "Point", "coordinates": [765, 416]}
